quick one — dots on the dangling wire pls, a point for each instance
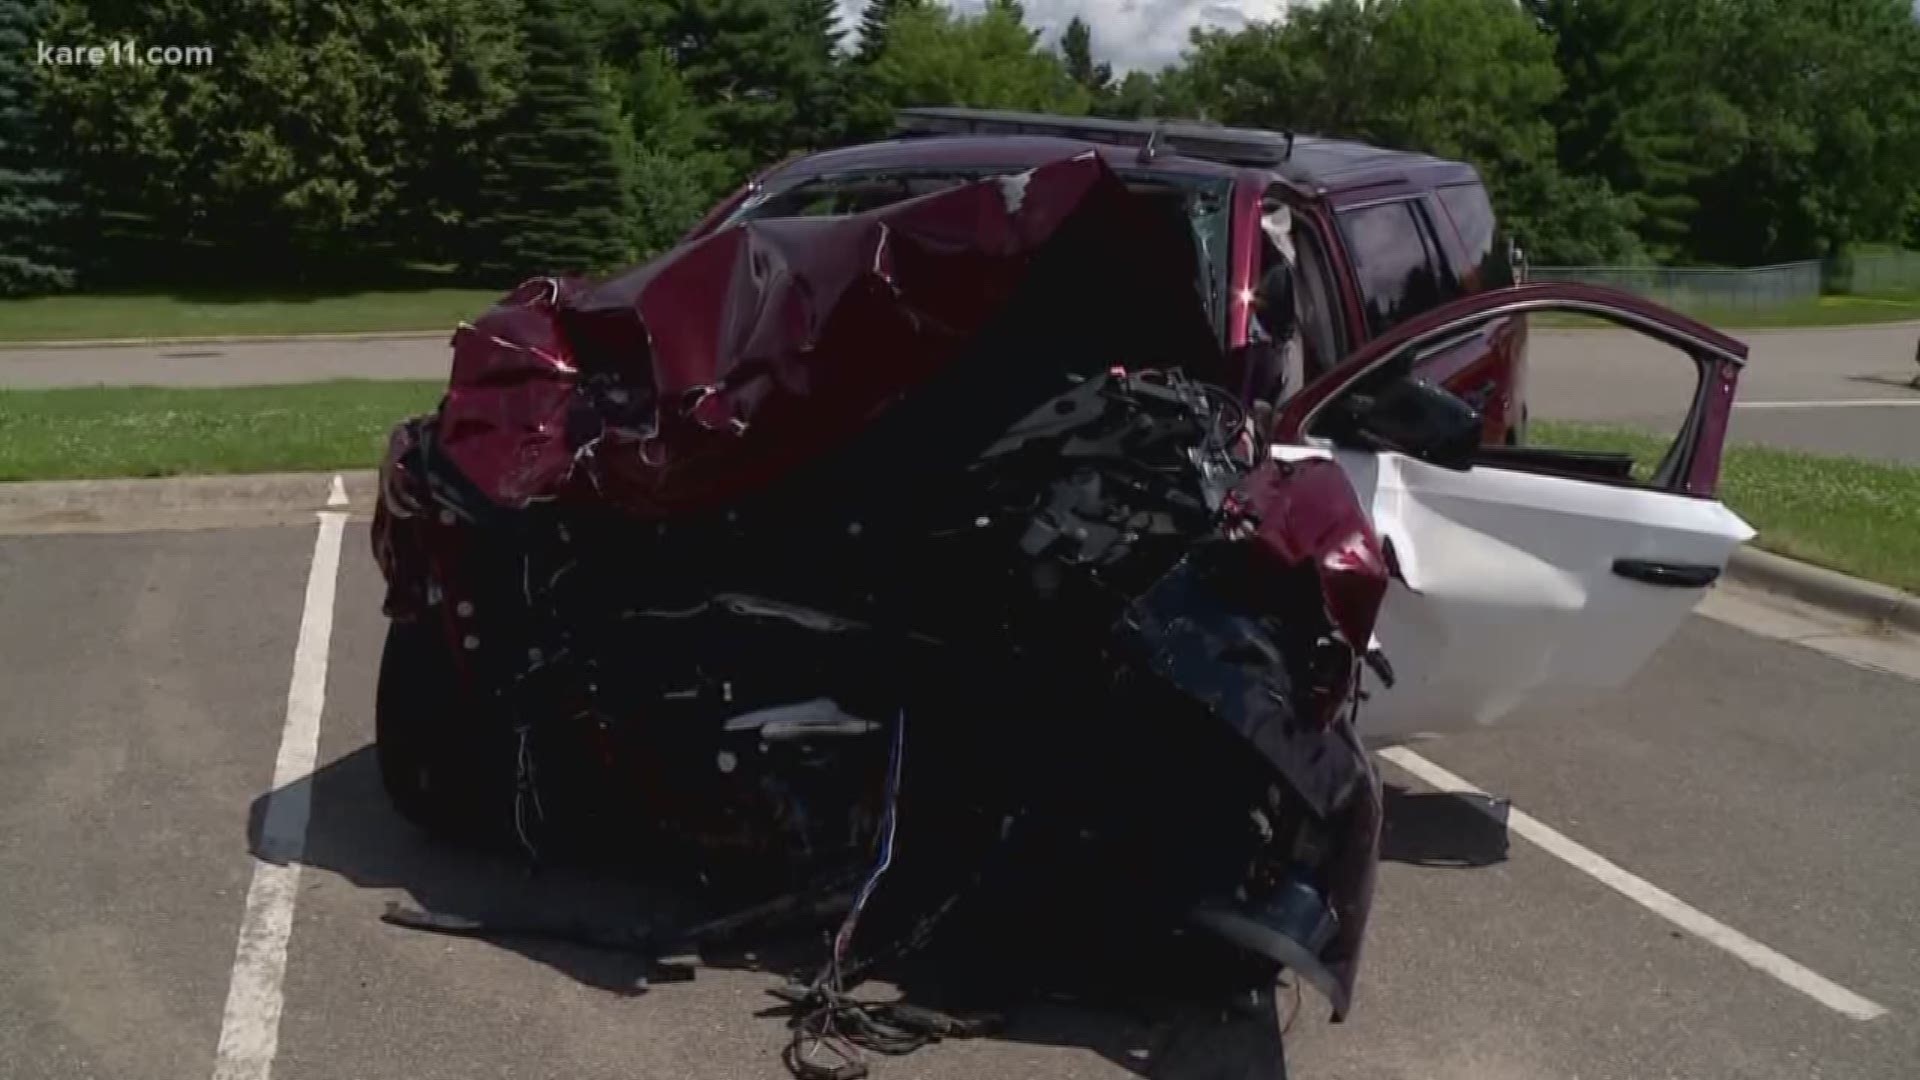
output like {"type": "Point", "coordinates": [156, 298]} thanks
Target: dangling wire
{"type": "Point", "coordinates": [526, 790]}
{"type": "Point", "coordinates": [818, 1032]}
{"type": "Point", "coordinates": [889, 823]}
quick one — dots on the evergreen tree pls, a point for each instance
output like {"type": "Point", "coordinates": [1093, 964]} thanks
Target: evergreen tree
{"type": "Point", "coordinates": [32, 211]}
{"type": "Point", "coordinates": [1635, 112]}
{"type": "Point", "coordinates": [308, 147]}
{"type": "Point", "coordinates": [1076, 48]}
{"type": "Point", "coordinates": [764, 83]}
{"type": "Point", "coordinates": [557, 197]}
{"type": "Point", "coordinates": [816, 81]}
{"type": "Point", "coordinates": [875, 18]}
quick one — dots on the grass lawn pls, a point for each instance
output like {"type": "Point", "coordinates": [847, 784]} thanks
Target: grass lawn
{"type": "Point", "coordinates": [147, 315]}
{"type": "Point", "coordinates": [1858, 517]}
{"type": "Point", "coordinates": [1837, 310]}
{"type": "Point", "coordinates": [146, 431]}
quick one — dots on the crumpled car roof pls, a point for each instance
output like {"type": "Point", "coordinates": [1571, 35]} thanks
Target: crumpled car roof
{"type": "Point", "coordinates": [701, 394]}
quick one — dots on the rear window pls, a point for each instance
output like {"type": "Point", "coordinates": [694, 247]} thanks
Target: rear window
{"type": "Point", "coordinates": [1396, 259]}
{"type": "Point", "coordinates": [1480, 236]}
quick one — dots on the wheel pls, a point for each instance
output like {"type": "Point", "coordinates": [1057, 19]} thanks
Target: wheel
{"type": "Point", "coordinates": [444, 761]}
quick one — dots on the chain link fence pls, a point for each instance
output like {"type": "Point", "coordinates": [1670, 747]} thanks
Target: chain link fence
{"type": "Point", "coordinates": [1877, 272]}
{"type": "Point", "coordinates": [1701, 289]}
{"type": "Point", "coordinates": [1751, 288]}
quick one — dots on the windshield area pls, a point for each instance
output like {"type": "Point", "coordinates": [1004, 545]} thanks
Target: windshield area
{"type": "Point", "coordinates": [1204, 203]}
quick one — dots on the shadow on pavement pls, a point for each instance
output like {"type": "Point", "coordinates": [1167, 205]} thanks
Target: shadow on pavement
{"type": "Point", "coordinates": [1441, 829]}
{"type": "Point", "coordinates": [1900, 382]}
{"type": "Point", "coordinates": [354, 833]}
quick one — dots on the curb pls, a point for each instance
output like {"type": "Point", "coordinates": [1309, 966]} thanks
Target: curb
{"type": "Point", "coordinates": [1829, 589]}
{"type": "Point", "coordinates": [52, 506]}
{"type": "Point", "coordinates": [223, 339]}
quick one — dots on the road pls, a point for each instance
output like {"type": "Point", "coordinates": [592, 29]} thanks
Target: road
{"type": "Point", "coordinates": [1786, 397]}
{"type": "Point", "coordinates": [148, 684]}
{"type": "Point", "coordinates": [1835, 390]}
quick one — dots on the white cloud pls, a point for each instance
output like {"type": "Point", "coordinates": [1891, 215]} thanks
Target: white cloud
{"type": "Point", "coordinates": [1129, 34]}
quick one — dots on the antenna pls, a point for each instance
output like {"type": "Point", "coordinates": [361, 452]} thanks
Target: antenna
{"type": "Point", "coordinates": [1151, 147]}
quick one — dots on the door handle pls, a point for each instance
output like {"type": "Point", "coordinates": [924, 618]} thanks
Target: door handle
{"type": "Point", "coordinates": [1670, 575]}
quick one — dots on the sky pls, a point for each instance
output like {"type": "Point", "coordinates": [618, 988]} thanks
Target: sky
{"type": "Point", "coordinates": [1129, 34]}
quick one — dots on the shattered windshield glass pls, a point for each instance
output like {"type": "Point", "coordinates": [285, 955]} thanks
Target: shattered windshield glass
{"type": "Point", "coordinates": [1203, 201]}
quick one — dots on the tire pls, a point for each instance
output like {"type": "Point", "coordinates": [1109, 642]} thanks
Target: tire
{"type": "Point", "coordinates": [444, 760]}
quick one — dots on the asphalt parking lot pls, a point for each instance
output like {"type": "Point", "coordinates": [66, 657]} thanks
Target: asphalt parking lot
{"type": "Point", "coordinates": [148, 680]}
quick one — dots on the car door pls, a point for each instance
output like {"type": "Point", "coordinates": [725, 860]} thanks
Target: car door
{"type": "Point", "coordinates": [1523, 573]}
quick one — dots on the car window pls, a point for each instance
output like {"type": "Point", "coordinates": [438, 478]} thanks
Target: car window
{"type": "Point", "coordinates": [1573, 424]}
{"type": "Point", "coordinates": [1397, 263]}
{"type": "Point", "coordinates": [1480, 237]}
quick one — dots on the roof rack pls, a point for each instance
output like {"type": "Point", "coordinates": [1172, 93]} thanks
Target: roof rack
{"type": "Point", "coordinates": [1191, 138]}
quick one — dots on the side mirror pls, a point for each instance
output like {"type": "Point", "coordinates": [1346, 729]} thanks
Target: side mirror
{"type": "Point", "coordinates": [1417, 419]}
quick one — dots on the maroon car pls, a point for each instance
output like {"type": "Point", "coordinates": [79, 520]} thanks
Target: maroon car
{"type": "Point", "coordinates": [1371, 236]}
{"type": "Point", "coordinates": [928, 553]}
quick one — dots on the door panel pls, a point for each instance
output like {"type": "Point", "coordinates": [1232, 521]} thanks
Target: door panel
{"type": "Point", "coordinates": [1506, 591]}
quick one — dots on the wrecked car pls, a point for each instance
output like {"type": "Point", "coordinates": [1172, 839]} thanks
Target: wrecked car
{"type": "Point", "coordinates": [932, 556]}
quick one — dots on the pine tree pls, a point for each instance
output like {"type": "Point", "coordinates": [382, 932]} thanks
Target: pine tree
{"type": "Point", "coordinates": [816, 83]}
{"type": "Point", "coordinates": [557, 198]}
{"type": "Point", "coordinates": [874, 20]}
{"type": "Point", "coordinates": [31, 207]}
{"type": "Point", "coordinates": [1076, 48]}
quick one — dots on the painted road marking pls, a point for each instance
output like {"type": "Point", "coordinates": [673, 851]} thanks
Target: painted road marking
{"type": "Point", "coordinates": [1652, 897]}
{"type": "Point", "coordinates": [250, 1027]}
{"type": "Point", "coordinates": [1851, 403]}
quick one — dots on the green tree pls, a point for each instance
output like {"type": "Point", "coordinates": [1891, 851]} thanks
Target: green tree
{"type": "Point", "coordinates": [33, 207]}
{"type": "Point", "coordinates": [675, 174]}
{"type": "Point", "coordinates": [875, 18]}
{"type": "Point", "coordinates": [818, 84]}
{"type": "Point", "coordinates": [316, 129]}
{"type": "Point", "coordinates": [1564, 220]}
{"type": "Point", "coordinates": [1076, 49]}
{"type": "Point", "coordinates": [1635, 112]}
{"type": "Point", "coordinates": [1825, 123]}
{"type": "Point", "coordinates": [1465, 79]}
{"type": "Point", "coordinates": [557, 191]}
{"type": "Point", "coordinates": [764, 72]}
{"type": "Point", "coordinates": [934, 57]}
{"type": "Point", "coordinates": [1134, 96]}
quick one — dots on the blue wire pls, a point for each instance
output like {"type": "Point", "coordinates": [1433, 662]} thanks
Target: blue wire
{"type": "Point", "coordinates": [887, 826]}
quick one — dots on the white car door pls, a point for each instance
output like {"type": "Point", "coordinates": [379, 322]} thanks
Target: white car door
{"type": "Point", "coordinates": [1528, 572]}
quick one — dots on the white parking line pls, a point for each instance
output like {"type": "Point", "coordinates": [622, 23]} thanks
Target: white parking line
{"type": "Point", "coordinates": [1652, 897]}
{"type": "Point", "coordinates": [250, 1027]}
{"type": "Point", "coordinates": [1851, 403]}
